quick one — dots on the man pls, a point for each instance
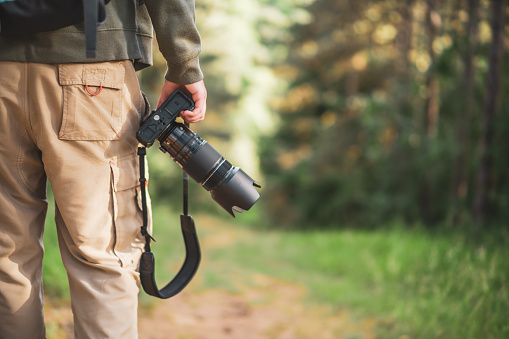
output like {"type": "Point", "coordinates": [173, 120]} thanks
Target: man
{"type": "Point", "coordinates": [72, 121]}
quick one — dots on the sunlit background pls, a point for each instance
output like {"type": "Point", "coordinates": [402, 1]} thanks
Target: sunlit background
{"type": "Point", "coordinates": [379, 131]}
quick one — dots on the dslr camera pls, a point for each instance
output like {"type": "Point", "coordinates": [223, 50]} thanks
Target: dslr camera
{"type": "Point", "coordinates": [229, 186]}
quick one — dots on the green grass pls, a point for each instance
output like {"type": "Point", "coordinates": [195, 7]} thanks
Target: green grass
{"type": "Point", "coordinates": [417, 284]}
{"type": "Point", "coordinates": [54, 276]}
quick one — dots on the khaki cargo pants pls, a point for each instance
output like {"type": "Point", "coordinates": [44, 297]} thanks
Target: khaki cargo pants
{"type": "Point", "coordinates": [75, 125]}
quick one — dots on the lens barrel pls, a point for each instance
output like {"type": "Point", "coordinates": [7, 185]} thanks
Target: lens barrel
{"type": "Point", "coordinates": [230, 187]}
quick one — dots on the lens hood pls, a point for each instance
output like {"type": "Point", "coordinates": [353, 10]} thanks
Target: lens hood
{"type": "Point", "coordinates": [238, 193]}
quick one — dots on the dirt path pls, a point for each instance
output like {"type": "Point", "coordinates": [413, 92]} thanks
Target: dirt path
{"type": "Point", "coordinates": [270, 309]}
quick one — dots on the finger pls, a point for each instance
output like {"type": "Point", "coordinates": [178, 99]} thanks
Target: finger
{"type": "Point", "coordinates": [199, 95]}
{"type": "Point", "coordinates": [200, 104]}
{"type": "Point", "coordinates": [198, 114]}
{"type": "Point", "coordinates": [192, 116]}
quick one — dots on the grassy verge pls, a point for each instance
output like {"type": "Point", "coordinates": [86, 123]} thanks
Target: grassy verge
{"type": "Point", "coordinates": [417, 284]}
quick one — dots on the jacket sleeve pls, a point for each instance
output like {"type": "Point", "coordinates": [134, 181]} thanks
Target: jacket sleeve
{"type": "Point", "coordinates": [174, 23]}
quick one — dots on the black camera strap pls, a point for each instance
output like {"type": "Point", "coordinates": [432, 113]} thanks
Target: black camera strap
{"type": "Point", "coordinates": [193, 254]}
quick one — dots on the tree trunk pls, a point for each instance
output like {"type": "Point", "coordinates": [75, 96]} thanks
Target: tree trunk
{"type": "Point", "coordinates": [432, 110]}
{"type": "Point", "coordinates": [464, 116]}
{"type": "Point", "coordinates": [485, 169]}
{"type": "Point", "coordinates": [405, 35]}
{"type": "Point", "coordinates": [404, 65]}
{"type": "Point", "coordinates": [432, 25]}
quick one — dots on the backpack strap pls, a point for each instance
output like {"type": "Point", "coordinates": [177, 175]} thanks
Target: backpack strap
{"type": "Point", "coordinates": [91, 17]}
{"type": "Point", "coordinates": [193, 254]}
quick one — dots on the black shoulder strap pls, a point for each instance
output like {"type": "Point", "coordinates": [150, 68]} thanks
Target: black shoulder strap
{"type": "Point", "coordinates": [91, 18]}
{"type": "Point", "coordinates": [193, 254]}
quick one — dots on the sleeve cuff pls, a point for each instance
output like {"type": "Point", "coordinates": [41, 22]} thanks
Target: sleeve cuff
{"type": "Point", "coordinates": [185, 73]}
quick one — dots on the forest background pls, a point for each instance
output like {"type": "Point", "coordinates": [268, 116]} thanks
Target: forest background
{"type": "Point", "coordinates": [379, 131]}
{"type": "Point", "coordinates": [360, 113]}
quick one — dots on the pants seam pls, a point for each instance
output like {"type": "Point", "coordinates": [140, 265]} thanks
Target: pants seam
{"type": "Point", "coordinates": [27, 106]}
{"type": "Point", "coordinates": [19, 166]}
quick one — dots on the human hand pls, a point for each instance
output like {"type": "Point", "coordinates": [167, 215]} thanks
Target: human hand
{"type": "Point", "coordinates": [199, 96]}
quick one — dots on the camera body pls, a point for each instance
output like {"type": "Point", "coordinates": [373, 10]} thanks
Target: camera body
{"type": "Point", "coordinates": [229, 186]}
{"type": "Point", "coordinates": [162, 118]}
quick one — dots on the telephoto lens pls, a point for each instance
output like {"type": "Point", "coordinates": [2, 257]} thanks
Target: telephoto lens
{"type": "Point", "coordinates": [229, 186]}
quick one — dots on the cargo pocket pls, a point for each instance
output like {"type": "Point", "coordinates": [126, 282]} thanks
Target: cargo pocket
{"type": "Point", "coordinates": [92, 101]}
{"type": "Point", "coordinates": [127, 210]}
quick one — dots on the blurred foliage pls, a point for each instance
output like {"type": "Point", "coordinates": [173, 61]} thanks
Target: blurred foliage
{"type": "Point", "coordinates": [236, 60]}
{"type": "Point", "coordinates": [361, 112]}
{"type": "Point", "coordinates": [379, 120]}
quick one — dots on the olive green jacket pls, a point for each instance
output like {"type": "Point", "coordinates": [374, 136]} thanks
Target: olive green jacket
{"type": "Point", "coordinates": [126, 34]}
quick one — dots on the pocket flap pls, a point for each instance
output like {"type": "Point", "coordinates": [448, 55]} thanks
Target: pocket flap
{"type": "Point", "coordinates": [125, 172]}
{"type": "Point", "coordinates": [106, 74]}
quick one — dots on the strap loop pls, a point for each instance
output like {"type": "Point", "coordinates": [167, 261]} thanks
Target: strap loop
{"type": "Point", "coordinates": [96, 93]}
{"type": "Point", "coordinates": [147, 263]}
{"type": "Point", "coordinates": [142, 152]}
